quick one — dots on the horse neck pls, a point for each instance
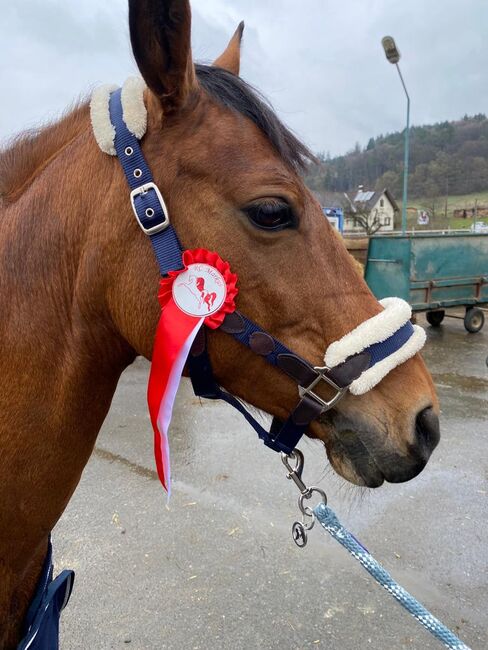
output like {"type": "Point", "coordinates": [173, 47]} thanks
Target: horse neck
{"type": "Point", "coordinates": [62, 353]}
{"type": "Point", "coordinates": [54, 275]}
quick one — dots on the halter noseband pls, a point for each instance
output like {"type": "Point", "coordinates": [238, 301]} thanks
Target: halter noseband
{"type": "Point", "coordinates": [356, 362]}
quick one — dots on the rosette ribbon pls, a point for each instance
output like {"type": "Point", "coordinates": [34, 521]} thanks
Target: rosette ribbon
{"type": "Point", "coordinates": [202, 293]}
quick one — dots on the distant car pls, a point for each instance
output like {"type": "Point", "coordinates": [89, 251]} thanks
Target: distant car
{"type": "Point", "coordinates": [479, 226]}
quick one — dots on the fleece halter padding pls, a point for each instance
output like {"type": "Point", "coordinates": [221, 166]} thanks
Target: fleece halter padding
{"type": "Point", "coordinates": [133, 108]}
{"type": "Point", "coordinates": [376, 330]}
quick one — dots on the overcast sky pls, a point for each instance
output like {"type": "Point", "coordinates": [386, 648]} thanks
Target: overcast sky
{"type": "Point", "coordinates": [319, 62]}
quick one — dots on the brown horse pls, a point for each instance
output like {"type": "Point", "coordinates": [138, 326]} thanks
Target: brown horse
{"type": "Point", "coordinates": [78, 287]}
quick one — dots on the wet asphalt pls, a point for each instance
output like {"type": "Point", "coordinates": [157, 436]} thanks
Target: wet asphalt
{"type": "Point", "coordinates": [217, 568]}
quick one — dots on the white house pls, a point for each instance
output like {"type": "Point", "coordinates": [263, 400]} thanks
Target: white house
{"type": "Point", "coordinates": [380, 207]}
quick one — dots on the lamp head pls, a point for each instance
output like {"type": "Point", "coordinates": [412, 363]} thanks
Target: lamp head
{"type": "Point", "coordinates": [391, 51]}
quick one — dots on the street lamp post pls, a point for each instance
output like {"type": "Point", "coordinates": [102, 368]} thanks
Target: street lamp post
{"type": "Point", "coordinates": [393, 55]}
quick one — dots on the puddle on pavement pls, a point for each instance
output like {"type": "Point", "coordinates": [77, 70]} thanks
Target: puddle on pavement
{"type": "Point", "coordinates": [462, 394]}
{"type": "Point", "coordinates": [458, 402]}
{"type": "Point", "coordinates": [457, 361]}
{"type": "Point", "coordinates": [465, 382]}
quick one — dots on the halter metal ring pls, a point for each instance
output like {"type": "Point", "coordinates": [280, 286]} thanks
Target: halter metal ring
{"type": "Point", "coordinates": [308, 390]}
{"type": "Point", "coordinates": [306, 510]}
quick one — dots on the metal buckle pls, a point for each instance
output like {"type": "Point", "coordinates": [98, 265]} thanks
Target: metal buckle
{"type": "Point", "coordinates": [300, 528]}
{"type": "Point", "coordinates": [308, 390]}
{"type": "Point", "coordinates": [142, 189]}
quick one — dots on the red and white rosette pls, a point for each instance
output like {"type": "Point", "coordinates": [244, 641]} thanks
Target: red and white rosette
{"type": "Point", "coordinates": [203, 292]}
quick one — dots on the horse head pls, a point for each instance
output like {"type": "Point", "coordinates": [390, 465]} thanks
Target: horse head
{"type": "Point", "coordinates": [230, 174]}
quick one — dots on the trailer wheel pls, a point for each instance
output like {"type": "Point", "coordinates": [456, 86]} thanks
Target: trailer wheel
{"type": "Point", "coordinates": [474, 320]}
{"type": "Point", "coordinates": [435, 318]}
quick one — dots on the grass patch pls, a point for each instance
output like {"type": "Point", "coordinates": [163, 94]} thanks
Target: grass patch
{"type": "Point", "coordinates": [437, 207]}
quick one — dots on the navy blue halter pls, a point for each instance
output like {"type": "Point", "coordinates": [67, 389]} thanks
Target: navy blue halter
{"type": "Point", "coordinates": [151, 214]}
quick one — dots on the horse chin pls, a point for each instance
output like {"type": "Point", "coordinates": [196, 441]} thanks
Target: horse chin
{"type": "Point", "coordinates": [361, 459]}
{"type": "Point", "coordinates": [353, 461]}
{"type": "Point", "coordinates": [348, 455]}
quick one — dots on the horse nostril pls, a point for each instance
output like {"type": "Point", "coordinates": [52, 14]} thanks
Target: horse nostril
{"type": "Point", "coordinates": [427, 429]}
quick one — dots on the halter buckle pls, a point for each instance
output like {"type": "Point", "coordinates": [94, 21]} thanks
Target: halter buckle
{"type": "Point", "coordinates": [161, 225]}
{"type": "Point", "coordinates": [321, 376]}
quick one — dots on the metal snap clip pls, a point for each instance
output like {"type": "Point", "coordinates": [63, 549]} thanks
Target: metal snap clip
{"type": "Point", "coordinates": [294, 464]}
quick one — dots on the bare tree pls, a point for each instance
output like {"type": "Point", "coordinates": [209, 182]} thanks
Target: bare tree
{"type": "Point", "coordinates": [432, 204]}
{"type": "Point", "coordinates": [365, 219]}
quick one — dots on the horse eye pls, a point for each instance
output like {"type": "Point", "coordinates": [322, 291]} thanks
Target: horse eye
{"type": "Point", "coordinates": [270, 215]}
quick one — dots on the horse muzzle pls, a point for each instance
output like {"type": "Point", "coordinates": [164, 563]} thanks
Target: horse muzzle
{"type": "Point", "coordinates": [368, 454]}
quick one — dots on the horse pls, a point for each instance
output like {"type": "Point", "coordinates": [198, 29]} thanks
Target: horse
{"type": "Point", "coordinates": [78, 287]}
{"type": "Point", "coordinates": [208, 297]}
{"type": "Point", "coordinates": [200, 294]}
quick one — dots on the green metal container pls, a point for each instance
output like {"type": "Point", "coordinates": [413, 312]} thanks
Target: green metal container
{"type": "Point", "coordinates": [429, 270]}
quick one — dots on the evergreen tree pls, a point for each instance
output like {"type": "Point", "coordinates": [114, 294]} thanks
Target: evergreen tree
{"type": "Point", "coordinates": [444, 157]}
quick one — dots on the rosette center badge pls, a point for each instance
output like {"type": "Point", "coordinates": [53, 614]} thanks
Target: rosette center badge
{"type": "Point", "coordinates": [200, 290]}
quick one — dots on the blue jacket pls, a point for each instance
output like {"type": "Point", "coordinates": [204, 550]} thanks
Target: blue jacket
{"type": "Point", "coordinates": [41, 625]}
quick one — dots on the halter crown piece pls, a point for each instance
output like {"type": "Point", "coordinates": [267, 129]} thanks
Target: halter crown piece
{"type": "Point", "coordinates": [198, 291]}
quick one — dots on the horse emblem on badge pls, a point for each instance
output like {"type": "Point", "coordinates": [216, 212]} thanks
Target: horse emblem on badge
{"type": "Point", "coordinates": [200, 290]}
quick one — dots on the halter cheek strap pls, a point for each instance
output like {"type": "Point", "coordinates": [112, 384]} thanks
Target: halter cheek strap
{"type": "Point", "coordinates": [358, 361]}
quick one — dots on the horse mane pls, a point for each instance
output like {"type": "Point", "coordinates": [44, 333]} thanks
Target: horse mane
{"type": "Point", "coordinates": [29, 152]}
{"type": "Point", "coordinates": [233, 92]}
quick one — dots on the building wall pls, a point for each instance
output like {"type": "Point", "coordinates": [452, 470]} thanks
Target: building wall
{"type": "Point", "coordinates": [350, 226]}
{"type": "Point", "coordinates": [385, 213]}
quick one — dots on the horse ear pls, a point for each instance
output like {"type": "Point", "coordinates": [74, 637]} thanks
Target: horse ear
{"type": "Point", "coordinates": [160, 34]}
{"type": "Point", "coordinates": [230, 59]}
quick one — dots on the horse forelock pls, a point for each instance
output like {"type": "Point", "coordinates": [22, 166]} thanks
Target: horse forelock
{"type": "Point", "coordinates": [236, 94]}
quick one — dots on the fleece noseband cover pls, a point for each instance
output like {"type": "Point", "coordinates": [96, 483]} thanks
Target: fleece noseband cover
{"type": "Point", "coordinates": [396, 313]}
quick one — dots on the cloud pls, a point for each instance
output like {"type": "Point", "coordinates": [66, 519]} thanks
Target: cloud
{"type": "Point", "coordinates": [319, 62]}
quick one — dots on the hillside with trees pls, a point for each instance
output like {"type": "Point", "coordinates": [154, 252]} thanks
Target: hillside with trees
{"type": "Point", "coordinates": [448, 158]}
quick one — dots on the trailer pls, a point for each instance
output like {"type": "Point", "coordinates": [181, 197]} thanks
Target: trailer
{"type": "Point", "coordinates": [434, 271]}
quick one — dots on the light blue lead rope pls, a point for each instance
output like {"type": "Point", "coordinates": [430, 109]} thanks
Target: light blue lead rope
{"type": "Point", "coordinates": [328, 519]}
